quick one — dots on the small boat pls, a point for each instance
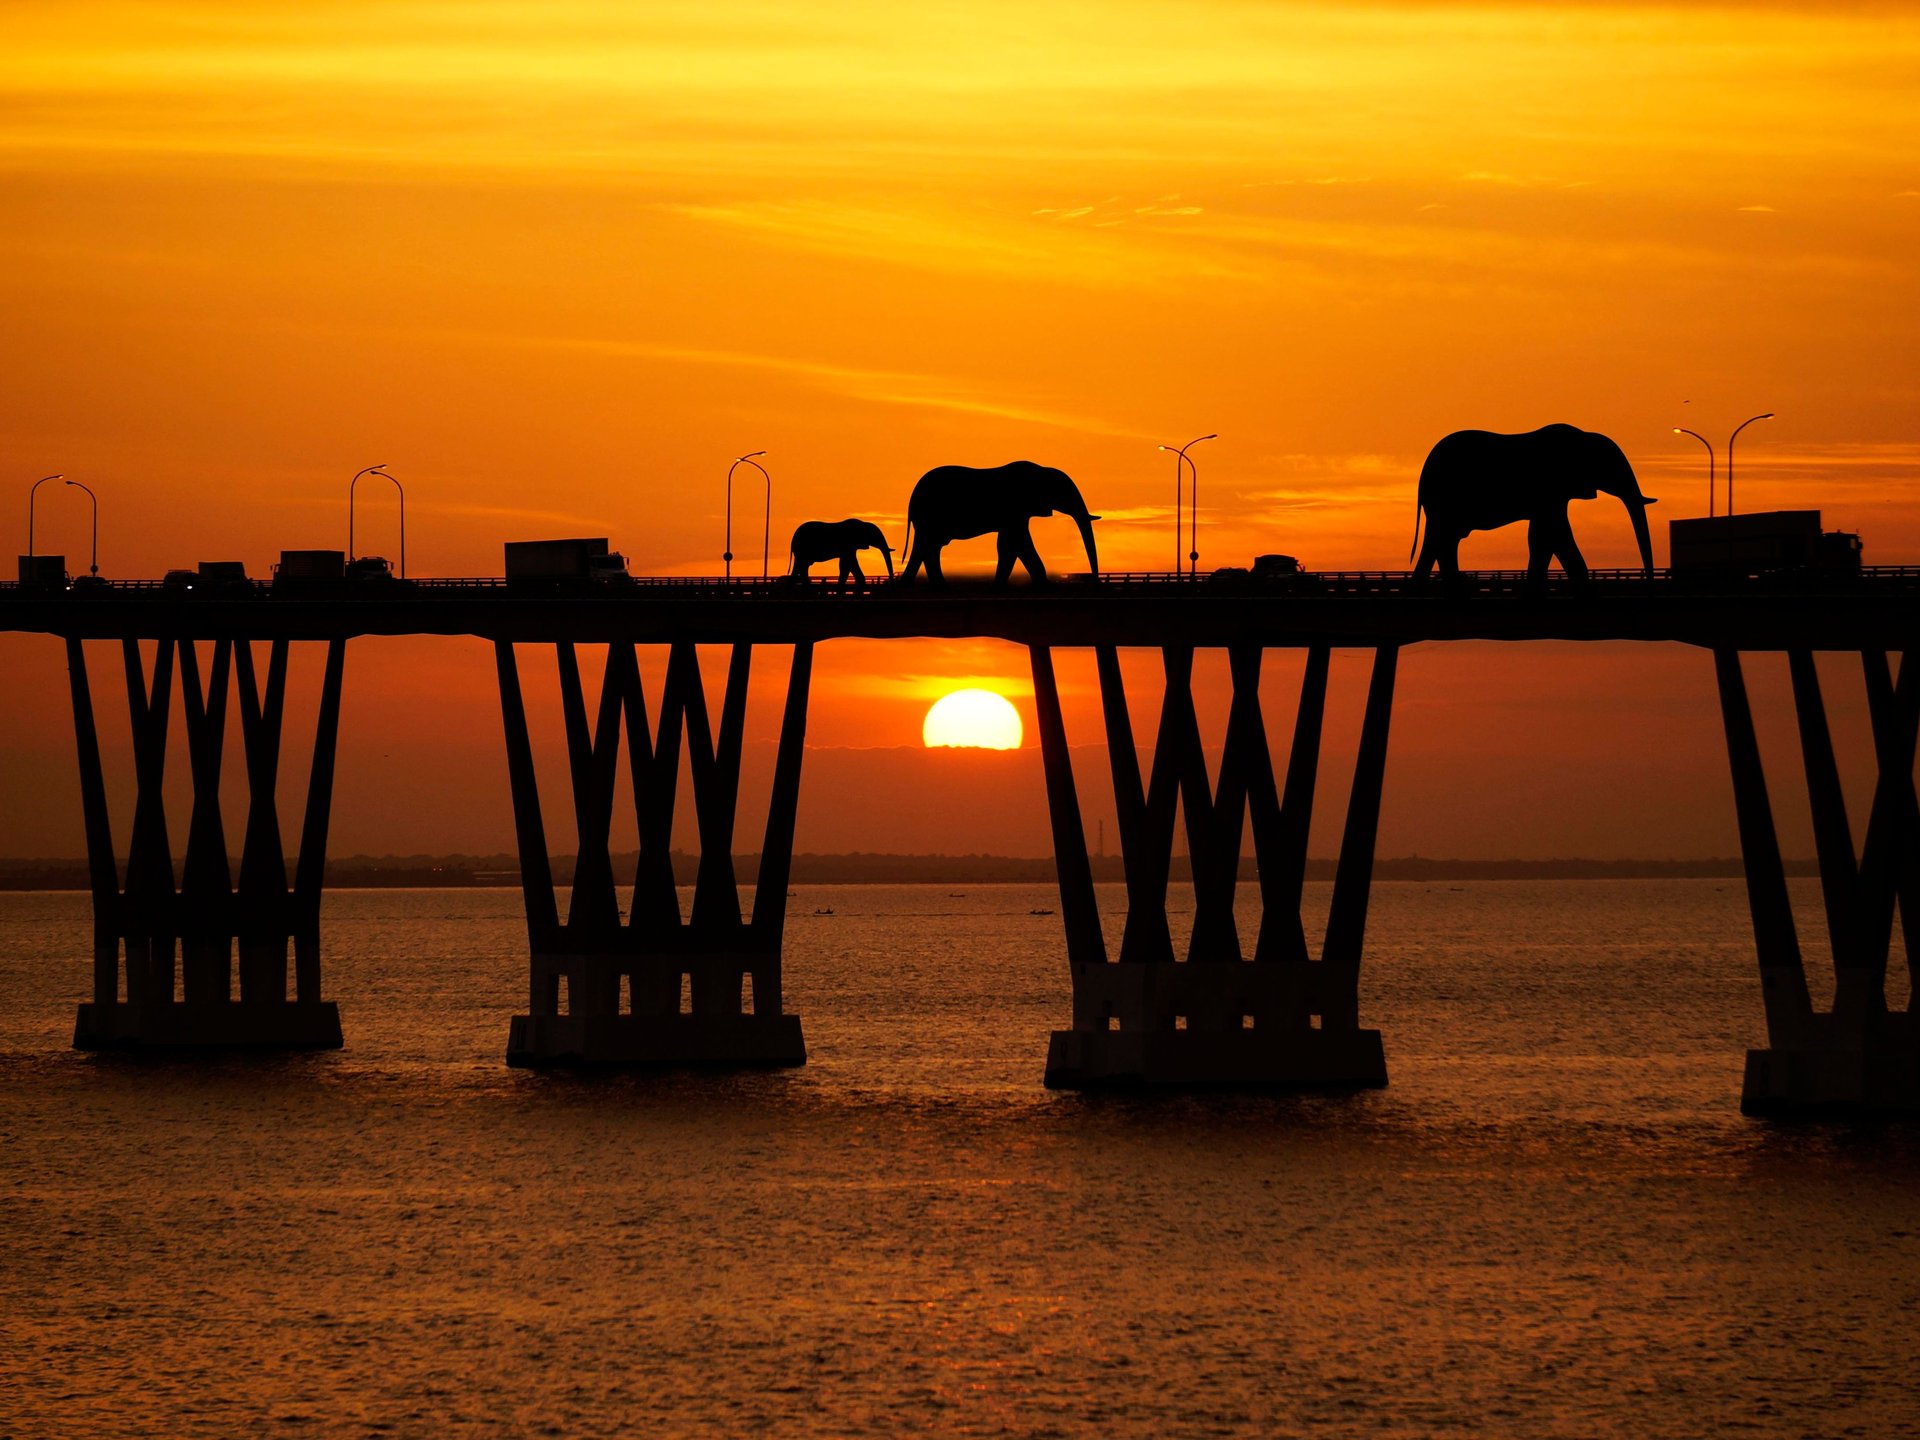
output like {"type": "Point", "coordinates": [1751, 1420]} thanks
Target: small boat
{"type": "Point", "coordinates": [827, 911]}
{"type": "Point", "coordinates": [1039, 912]}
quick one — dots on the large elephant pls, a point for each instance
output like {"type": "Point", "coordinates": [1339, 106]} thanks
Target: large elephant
{"type": "Point", "coordinates": [842, 540]}
{"type": "Point", "coordinates": [1479, 480]}
{"type": "Point", "coordinates": [956, 502]}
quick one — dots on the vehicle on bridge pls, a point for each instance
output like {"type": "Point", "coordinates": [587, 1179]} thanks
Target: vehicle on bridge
{"type": "Point", "coordinates": [1778, 543]}
{"type": "Point", "coordinates": [43, 572]}
{"type": "Point", "coordinates": [371, 569]}
{"type": "Point", "coordinates": [300, 569]}
{"type": "Point", "coordinates": [564, 564]}
{"type": "Point", "coordinates": [222, 575]}
{"type": "Point", "coordinates": [1268, 573]}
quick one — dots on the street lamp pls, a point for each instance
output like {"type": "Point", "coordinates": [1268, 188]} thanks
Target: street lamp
{"type": "Point", "coordinates": [1730, 439]}
{"type": "Point", "coordinates": [93, 565]}
{"type": "Point", "coordinates": [381, 471]}
{"type": "Point", "coordinates": [30, 494]}
{"type": "Point", "coordinates": [766, 524]}
{"type": "Point", "coordinates": [1181, 462]}
{"type": "Point", "coordinates": [1681, 430]}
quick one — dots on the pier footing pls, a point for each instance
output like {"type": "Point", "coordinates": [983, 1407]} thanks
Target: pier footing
{"type": "Point", "coordinates": [1877, 1078]}
{"type": "Point", "coordinates": [1859, 1056]}
{"type": "Point", "coordinates": [234, 1025]}
{"type": "Point", "coordinates": [657, 988]}
{"type": "Point", "coordinates": [1221, 1014]}
{"type": "Point", "coordinates": [1195, 1059]}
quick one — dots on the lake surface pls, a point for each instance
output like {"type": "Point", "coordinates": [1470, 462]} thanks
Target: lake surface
{"type": "Point", "coordinates": [1553, 1222]}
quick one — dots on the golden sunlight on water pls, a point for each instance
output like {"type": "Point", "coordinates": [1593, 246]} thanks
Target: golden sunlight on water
{"type": "Point", "coordinates": [1553, 1222]}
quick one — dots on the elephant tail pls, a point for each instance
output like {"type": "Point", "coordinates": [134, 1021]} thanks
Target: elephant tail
{"type": "Point", "coordinates": [1415, 548]}
{"type": "Point", "coordinates": [906, 543]}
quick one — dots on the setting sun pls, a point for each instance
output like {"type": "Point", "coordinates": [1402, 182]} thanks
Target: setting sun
{"type": "Point", "coordinates": [976, 718]}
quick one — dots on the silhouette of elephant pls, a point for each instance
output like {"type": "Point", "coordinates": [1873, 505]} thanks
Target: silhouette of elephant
{"type": "Point", "coordinates": [842, 540]}
{"type": "Point", "coordinates": [1480, 480]}
{"type": "Point", "coordinates": [957, 502]}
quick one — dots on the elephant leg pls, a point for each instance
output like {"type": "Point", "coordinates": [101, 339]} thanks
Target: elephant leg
{"type": "Point", "coordinates": [1030, 557]}
{"type": "Point", "coordinates": [859, 575]}
{"type": "Point", "coordinates": [1008, 550]}
{"type": "Point", "coordinates": [1570, 556]}
{"type": "Point", "coordinates": [1429, 557]}
{"type": "Point", "coordinates": [1544, 537]}
{"type": "Point", "coordinates": [1447, 554]}
{"type": "Point", "coordinates": [935, 574]}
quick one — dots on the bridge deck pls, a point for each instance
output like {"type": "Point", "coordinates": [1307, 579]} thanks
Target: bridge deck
{"type": "Point", "coordinates": [1878, 609]}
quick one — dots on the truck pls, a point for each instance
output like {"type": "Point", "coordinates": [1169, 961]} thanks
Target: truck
{"type": "Point", "coordinates": [302, 568]}
{"type": "Point", "coordinates": [222, 575]}
{"type": "Point", "coordinates": [552, 564]}
{"type": "Point", "coordinates": [1766, 542]}
{"type": "Point", "coordinates": [43, 572]}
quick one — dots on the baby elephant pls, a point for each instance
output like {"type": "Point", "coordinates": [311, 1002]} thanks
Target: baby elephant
{"type": "Point", "coordinates": [842, 540]}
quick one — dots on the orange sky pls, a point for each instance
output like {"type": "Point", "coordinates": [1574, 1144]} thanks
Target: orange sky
{"type": "Point", "coordinates": [556, 263]}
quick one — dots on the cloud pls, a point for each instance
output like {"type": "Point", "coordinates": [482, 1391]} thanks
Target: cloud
{"type": "Point", "coordinates": [882, 387]}
{"type": "Point", "coordinates": [1758, 210]}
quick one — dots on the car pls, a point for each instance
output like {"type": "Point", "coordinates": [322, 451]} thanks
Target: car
{"type": "Point", "coordinates": [1275, 567]}
{"type": "Point", "coordinates": [90, 585]}
{"type": "Point", "coordinates": [179, 582]}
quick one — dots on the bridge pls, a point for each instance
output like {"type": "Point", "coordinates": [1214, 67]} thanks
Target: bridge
{"type": "Point", "coordinates": [657, 987]}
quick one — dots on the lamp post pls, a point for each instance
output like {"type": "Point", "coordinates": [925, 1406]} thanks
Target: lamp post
{"type": "Point", "coordinates": [1681, 430]}
{"type": "Point", "coordinates": [30, 494]}
{"type": "Point", "coordinates": [93, 559]}
{"type": "Point", "coordinates": [381, 471]}
{"type": "Point", "coordinates": [1181, 462]}
{"type": "Point", "coordinates": [1730, 439]}
{"type": "Point", "coordinates": [766, 524]}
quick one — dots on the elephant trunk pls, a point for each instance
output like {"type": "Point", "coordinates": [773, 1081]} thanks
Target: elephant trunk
{"type": "Point", "coordinates": [1637, 512]}
{"type": "Point", "coordinates": [1085, 522]}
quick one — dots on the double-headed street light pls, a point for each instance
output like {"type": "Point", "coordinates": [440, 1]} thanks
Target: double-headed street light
{"type": "Point", "coordinates": [766, 524]}
{"type": "Point", "coordinates": [381, 471]}
{"type": "Point", "coordinates": [1181, 463]}
{"type": "Point", "coordinates": [30, 494]}
{"type": "Point", "coordinates": [1730, 439]}
{"type": "Point", "coordinates": [93, 560]}
{"type": "Point", "coordinates": [1681, 430]}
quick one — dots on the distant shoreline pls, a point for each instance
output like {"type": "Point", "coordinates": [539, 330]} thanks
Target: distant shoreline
{"type": "Point", "coordinates": [455, 872]}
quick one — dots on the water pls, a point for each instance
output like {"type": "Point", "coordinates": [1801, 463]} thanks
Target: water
{"type": "Point", "coordinates": [1553, 1222]}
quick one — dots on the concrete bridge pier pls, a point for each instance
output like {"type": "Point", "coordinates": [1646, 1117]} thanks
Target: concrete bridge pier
{"type": "Point", "coordinates": [163, 956]}
{"type": "Point", "coordinates": [655, 989]}
{"type": "Point", "coordinates": [1218, 1016]}
{"type": "Point", "coordinates": [1858, 1055]}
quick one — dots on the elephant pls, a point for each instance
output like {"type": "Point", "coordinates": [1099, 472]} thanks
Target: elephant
{"type": "Point", "coordinates": [842, 540]}
{"type": "Point", "coordinates": [957, 502]}
{"type": "Point", "coordinates": [1480, 480]}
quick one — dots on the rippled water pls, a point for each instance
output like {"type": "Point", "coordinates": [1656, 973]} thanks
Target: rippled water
{"type": "Point", "coordinates": [1554, 1221]}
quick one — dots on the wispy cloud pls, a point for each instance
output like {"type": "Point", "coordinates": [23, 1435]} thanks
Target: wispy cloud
{"type": "Point", "coordinates": [876, 386]}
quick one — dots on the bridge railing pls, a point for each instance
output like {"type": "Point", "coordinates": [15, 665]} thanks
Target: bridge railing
{"type": "Point", "coordinates": [1160, 584]}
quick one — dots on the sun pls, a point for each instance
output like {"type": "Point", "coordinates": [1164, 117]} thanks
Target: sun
{"type": "Point", "coordinates": [976, 718]}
